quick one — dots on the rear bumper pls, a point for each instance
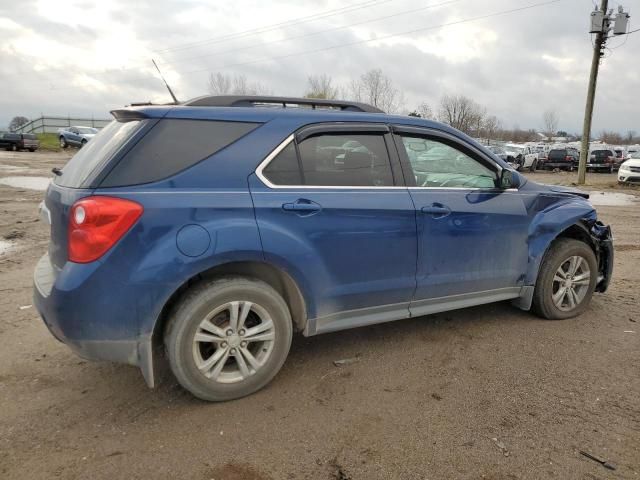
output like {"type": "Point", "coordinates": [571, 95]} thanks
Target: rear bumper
{"type": "Point", "coordinates": [69, 308]}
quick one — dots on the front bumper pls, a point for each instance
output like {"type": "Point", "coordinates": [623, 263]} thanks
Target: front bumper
{"type": "Point", "coordinates": [67, 302]}
{"type": "Point", "coordinates": [603, 240]}
{"type": "Point", "coordinates": [626, 176]}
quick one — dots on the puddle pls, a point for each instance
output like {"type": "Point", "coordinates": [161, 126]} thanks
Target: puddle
{"type": "Point", "coordinates": [32, 183]}
{"type": "Point", "coordinates": [5, 247]}
{"type": "Point", "coordinates": [613, 199]}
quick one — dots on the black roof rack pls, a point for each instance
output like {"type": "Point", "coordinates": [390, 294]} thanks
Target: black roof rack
{"type": "Point", "coordinates": [284, 102]}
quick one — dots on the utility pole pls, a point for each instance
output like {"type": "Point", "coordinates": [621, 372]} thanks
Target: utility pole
{"type": "Point", "coordinates": [600, 21]}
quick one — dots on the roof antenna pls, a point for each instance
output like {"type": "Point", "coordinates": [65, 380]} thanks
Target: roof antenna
{"type": "Point", "coordinates": [175, 100]}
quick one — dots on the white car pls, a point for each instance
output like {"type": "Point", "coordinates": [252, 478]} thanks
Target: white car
{"type": "Point", "coordinates": [522, 157]}
{"type": "Point", "coordinates": [630, 170]}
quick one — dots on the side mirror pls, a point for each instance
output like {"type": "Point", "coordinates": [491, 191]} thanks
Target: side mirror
{"type": "Point", "coordinates": [508, 179]}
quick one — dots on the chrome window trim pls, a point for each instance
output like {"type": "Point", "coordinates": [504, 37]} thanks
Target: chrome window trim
{"type": "Point", "coordinates": [274, 153]}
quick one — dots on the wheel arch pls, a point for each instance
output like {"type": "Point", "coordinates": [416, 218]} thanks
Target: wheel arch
{"type": "Point", "coordinates": [152, 355]}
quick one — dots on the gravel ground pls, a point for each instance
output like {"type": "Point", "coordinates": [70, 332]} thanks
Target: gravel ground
{"type": "Point", "coordinates": [487, 392]}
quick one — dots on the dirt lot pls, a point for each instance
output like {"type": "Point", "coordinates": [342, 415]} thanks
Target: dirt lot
{"type": "Point", "coordinates": [489, 392]}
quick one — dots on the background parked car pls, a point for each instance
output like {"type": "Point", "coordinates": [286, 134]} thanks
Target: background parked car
{"type": "Point", "coordinates": [630, 170]}
{"type": "Point", "coordinates": [9, 141]}
{"type": "Point", "coordinates": [499, 151]}
{"type": "Point", "coordinates": [76, 136]}
{"type": "Point", "coordinates": [562, 158]}
{"type": "Point", "coordinates": [523, 157]}
{"type": "Point", "coordinates": [28, 141]}
{"type": "Point", "coordinates": [602, 160]}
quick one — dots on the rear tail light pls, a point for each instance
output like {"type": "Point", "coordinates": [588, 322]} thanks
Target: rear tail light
{"type": "Point", "coordinates": [97, 223]}
{"type": "Point", "coordinates": [568, 158]}
{"type": "Point", "coordinates": [609, 159]}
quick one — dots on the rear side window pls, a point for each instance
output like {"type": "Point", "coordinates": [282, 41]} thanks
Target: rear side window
{"type": "Point", "coordinates": [348, 160]}
{"type": "Point", "coordinates": [172, 146]}
{"type": "Point", "coordinates": [92, 157]}
{"type": "Point", "coordinates": [557, 154]}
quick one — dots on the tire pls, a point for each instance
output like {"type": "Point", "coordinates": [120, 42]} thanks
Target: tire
{"type": "Point", "coordinates": [549, 282]}
{"type": "Point", "coordinates": [14, 148]}
{"type": "Point", "coordinates": [534, 166]}
{"type": "Point", "coordinates": [32, 149]}
{"type": "Point", "coordinates": [83, 142]}
{"type": "Point", "coordinates": [196, 364]}
{"type": "Point", "coordinates": [63, 142]}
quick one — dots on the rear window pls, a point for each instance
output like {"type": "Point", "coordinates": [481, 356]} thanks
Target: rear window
{"type": "Point", "coordinates": [89, 160]}
{"type": "Point", "coordinates": [557, 154]}
{"type": "Point", "coordinates": [602, 153]}
{"type": "Point", "coordinates": [171, 146]}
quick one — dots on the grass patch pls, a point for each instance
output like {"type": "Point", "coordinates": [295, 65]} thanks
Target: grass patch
{"type": "Point", "coordinates": [49, 141]}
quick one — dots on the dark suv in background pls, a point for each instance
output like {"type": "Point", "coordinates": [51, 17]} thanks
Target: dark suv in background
{"type": "Point", "coordinates": [562, 158]}
{"type": "Point", "coordinates": [19, 141]}
{"type": "Point", "coordinates": [602, 160]}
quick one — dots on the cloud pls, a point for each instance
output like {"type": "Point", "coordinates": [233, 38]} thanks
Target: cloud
{"type": "Point", "coordinates": [86, 57]}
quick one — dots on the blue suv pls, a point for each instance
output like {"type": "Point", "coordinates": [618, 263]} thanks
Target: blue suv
{"type": "Point", "coordinates": [200, 236]}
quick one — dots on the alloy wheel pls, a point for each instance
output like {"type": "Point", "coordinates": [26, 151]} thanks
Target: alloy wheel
{"type": "Point", "coordinates": [571, 283]}
{"type": "Point", "coordinates": [233, 342]}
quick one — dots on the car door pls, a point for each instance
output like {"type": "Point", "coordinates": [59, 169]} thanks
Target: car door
{"type": "Point", "coordinates": [73, 136]}
{"type": "Point", "coordinates": [331, 209]}
{"type": "Point", "coordinates": [472, 235]}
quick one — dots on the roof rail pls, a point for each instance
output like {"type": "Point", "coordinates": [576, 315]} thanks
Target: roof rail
{"type": "Point", "coordinates": [284, 102]}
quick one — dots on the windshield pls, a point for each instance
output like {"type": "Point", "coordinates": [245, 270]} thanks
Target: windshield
{"type": "Point", "coordinates": [87, 130]}
{"type": "Point", "coordinates": [515, 149]}
{"type": "Point", "coordinates": [79, 171]}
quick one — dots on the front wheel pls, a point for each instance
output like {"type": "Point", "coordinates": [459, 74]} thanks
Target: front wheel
{"type": "Point", "coordinates": [228, 338]}
{"type": "Point", "coordinates": [63, 142]}
{"type": "Point", "coordinates": [566, 280]}
{"type": "Point", "coordinates": [534, 166]}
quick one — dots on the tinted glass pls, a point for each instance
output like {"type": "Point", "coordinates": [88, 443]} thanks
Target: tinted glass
{"type": "Point", "coordinates": [95, 153]}
{"type": "Point", "coordinates": [436, 164]}
{"type": "Point", "coordinates": [345, 160]}
{"type": "Point", "coordinates": [557, 154]}
{"type": "Point", "coordinates": [284, 168]}
{"type": "Point", "coordinates": [172, 146]}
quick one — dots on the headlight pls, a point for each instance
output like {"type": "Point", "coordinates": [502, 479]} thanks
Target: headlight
{"type": "Point", "coordinates": [624, 167]}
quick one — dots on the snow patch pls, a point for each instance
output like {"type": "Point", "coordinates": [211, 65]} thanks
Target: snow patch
{"type": "Point", "coordinates": [5, 247]}
{"type": "Point", "coordinates": [612, 199]}
{"type": "Point", "coordinates": [32, 183]}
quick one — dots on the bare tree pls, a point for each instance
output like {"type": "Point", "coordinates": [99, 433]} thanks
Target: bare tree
{"type": "Point", "coordinates": [226, 84]}
{"type": "Point", "coordinates": [321, 86]}
{"type": "Point", "coordinates": [423, 111]}
{"type": "Point", "coordinates": [17, 122]}
{"type": "Point", "coordinates": [490, 127]}
{"type": "Point", "coordinates": [460, 112]}
{"type": "Point", "coordinates": [550, 119]}
{"type": "Point", "coordinates": [377, 89]}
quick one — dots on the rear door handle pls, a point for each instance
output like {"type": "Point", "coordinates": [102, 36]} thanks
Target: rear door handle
{"type": "Point", "coordinates": [437, 210]}
{"type": "Point", "coordinates": [302, 205]}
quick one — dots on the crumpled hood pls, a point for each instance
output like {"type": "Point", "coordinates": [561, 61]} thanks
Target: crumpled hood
{"type": "Point", "coordinates": [569, 190]}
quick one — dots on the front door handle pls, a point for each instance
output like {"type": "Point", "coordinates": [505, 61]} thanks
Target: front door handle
{"type": "Point", "coordinates": [302, 205]}
{"type": "Point", "coordinates": [437, 210]}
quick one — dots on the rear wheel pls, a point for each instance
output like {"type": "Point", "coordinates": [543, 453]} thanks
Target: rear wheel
{"type": "Point", "coordinates": [83, 142]}
{"type": "Point", "coordinates": [32, 149]}
{"type": "Point", "coordinates": [228, 338]}
{"type": "Point", "coordinates": [534, 166]}
{"type": "Point", "coordinates": [566, 280]}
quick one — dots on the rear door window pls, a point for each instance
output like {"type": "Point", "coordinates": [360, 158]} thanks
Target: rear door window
{"type": "Point", "coordinates": [171, 146]}
{"type": "Point", "coordinates": [81, 169]}
{"type": "Point", "coordinates": [345, 160]}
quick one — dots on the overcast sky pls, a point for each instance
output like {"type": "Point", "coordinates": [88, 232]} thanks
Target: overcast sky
{"type": "Point", "coordinates": [84, 58]}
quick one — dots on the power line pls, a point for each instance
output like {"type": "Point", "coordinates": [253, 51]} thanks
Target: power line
{"type": "Point", "coordinates": [296, 37]}
{"type": "Point", "coordinates": [384, 37]}
{"type": "Point", "coordinates": [276, 26]}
